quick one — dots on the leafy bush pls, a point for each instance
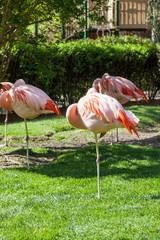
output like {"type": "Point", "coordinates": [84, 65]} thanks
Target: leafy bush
{"type": "Point", "coordinates": [65, 71]}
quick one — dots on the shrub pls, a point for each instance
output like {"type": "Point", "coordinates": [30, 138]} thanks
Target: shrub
{"type": "Point", "coordinates": [65, 71]}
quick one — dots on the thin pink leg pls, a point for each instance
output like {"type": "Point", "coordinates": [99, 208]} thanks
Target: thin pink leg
{"type": "Point", "coordinates": [97, 160]}
{"type": "Point", "coordinates": [5, 136]}
{"type": "Point", "coordinates": [27, 138]}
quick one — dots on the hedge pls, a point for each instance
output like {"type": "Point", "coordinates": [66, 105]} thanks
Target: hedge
{"type": "Point", "coordinates": [65, 71]}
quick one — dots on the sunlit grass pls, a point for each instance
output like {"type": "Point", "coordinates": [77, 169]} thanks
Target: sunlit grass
{"type": "Point", "coordinates": [38, 126]}
{"type": "Point", "coordinates": [59, 200]}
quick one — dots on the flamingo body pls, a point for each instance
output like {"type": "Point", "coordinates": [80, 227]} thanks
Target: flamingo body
{"type": "Point", "coordinates": [28, 102]}
{"type": "Point", "coordinates": [5, 87]}
{"type": "Point", "coordinates": [120, 88]}
{"type": "Point", "coordinates": [99, 113]}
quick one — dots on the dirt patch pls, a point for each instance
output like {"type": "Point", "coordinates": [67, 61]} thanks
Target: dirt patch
{"type": "Point", "coordinates": [77, 139]}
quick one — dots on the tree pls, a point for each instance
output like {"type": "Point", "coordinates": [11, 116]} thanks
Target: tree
{"type": "Point", "coordinates": [154, 19]}
{"type": "Point", "coordinates": [16, 16]}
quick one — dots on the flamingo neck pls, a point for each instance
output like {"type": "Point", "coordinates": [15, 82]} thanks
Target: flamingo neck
{"type": "Point", "coordinates": [5, 101]}
{"type": "Point", "coordinates": [74, 118]}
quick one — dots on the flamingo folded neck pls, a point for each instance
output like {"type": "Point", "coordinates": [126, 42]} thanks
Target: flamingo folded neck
{"type": "Point", "coordinates": [74, 118]}
{"type": "Point", "coordinates": [5, 101]}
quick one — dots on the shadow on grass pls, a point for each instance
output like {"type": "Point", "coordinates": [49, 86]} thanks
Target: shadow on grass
{"type": "Point", "coordinates": [128, 161]}
{"type": "Point", "coordinates": [155, 197]}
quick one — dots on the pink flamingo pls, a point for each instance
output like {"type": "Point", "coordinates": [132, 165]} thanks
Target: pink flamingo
{"type": "Point", "coordinates": [28, 102]}
{"type": "Point", "coordinates": [100, 113]}
{"type": "Point", "coordinates": [120, 88]}
{"type": "Point", "coordinates": [5, 87]}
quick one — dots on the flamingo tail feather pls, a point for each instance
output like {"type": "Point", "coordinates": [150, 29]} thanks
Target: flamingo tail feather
{"type": "Point", "coordinates": [51, 106]}
{"type": "Point", "coordinates": [142, 94]}
{"type": "Point", "coordinates": [128, 124]}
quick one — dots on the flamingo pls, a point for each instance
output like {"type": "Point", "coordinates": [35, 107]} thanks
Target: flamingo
{"type": "Point", "coordinates": [99, 113]}
{"type": "Point", "coordinates": [120, 88]}
{"type": "Point", "coordinates": [5, 87]}
{"type": "Point", "coordinates": [28, 102]}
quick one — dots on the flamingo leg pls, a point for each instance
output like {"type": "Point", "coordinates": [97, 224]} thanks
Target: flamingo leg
{"type": "Point", "coordinates": [111, 137]}
{"type": "Point", "coordinates": [97, 160]}
{"type": "Point", "coordinates": [27, 138]}
{"type": "Point", "coordinates": [117, 139]}
{"type": "Point", "coordinates": [5, 136]}
{"type": "Point", "coordinates": [6, 121]}
{"type": "Point", "coordinates": [117, 135]}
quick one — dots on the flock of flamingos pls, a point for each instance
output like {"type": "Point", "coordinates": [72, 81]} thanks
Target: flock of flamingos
{"type": "Point", "coordinates": [99, 111]}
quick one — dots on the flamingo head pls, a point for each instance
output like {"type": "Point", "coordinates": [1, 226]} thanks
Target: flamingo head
{"type": "Point", "coordinates": [19, 82]}
{"type": "Point", "coordinates": [96, 84]}
{"type": "Point", "coordinates": [106, 75]}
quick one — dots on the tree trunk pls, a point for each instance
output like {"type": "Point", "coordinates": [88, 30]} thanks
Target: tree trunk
{"type": "Point", "coordinates": [5, 59]}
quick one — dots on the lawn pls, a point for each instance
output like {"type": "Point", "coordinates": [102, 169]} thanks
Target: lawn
{"type": "Point", "coordinates": [58, 200]}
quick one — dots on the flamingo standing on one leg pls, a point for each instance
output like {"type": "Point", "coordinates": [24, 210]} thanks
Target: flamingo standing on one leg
{"type": "Point", "coordinates": [5, 87]}
{"type": "Point", "coordinates": [100, 113]}
{"type": "Point", "coordinates": [120, 88]}
{"type": "Point", "coordinates": [28, 102]}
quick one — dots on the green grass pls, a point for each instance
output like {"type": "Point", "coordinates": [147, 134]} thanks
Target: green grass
{"type": "Point", "coordinates": [58, 200]}
{"type": "Point", "coordinates": [38, 126]}
{"type": "Point", "coordinates": [148, 115]}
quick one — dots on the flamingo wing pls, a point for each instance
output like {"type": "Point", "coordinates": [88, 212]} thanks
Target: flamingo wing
{"type": "Point", "coordinates": [22, 94]}
{"type": "Point", "coordinates": [38, 91]}
{"type": "Point", "coordinates": [131, 89]}
{"type": "Point", "coordinates": [101, 113]}
{"type": "Point", "coordinates": [120, 88]}
{"type": "Point", "coordinates": [28, 103]}
{"type": "Point", "coordinates": [92, 105]}
{"type": "Point", "coordinates": [97, 113]}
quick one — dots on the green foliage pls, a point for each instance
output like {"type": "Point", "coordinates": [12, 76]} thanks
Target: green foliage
{"type": "Point", "coordinates": [15, 17]}
{"type": "Point", "coordinates": [66, 70]}
{"type": "Point", "coordinates": [153, 15]}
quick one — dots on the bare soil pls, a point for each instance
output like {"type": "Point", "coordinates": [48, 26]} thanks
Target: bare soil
{"type": "Point", "coordinates": [68, 141]}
